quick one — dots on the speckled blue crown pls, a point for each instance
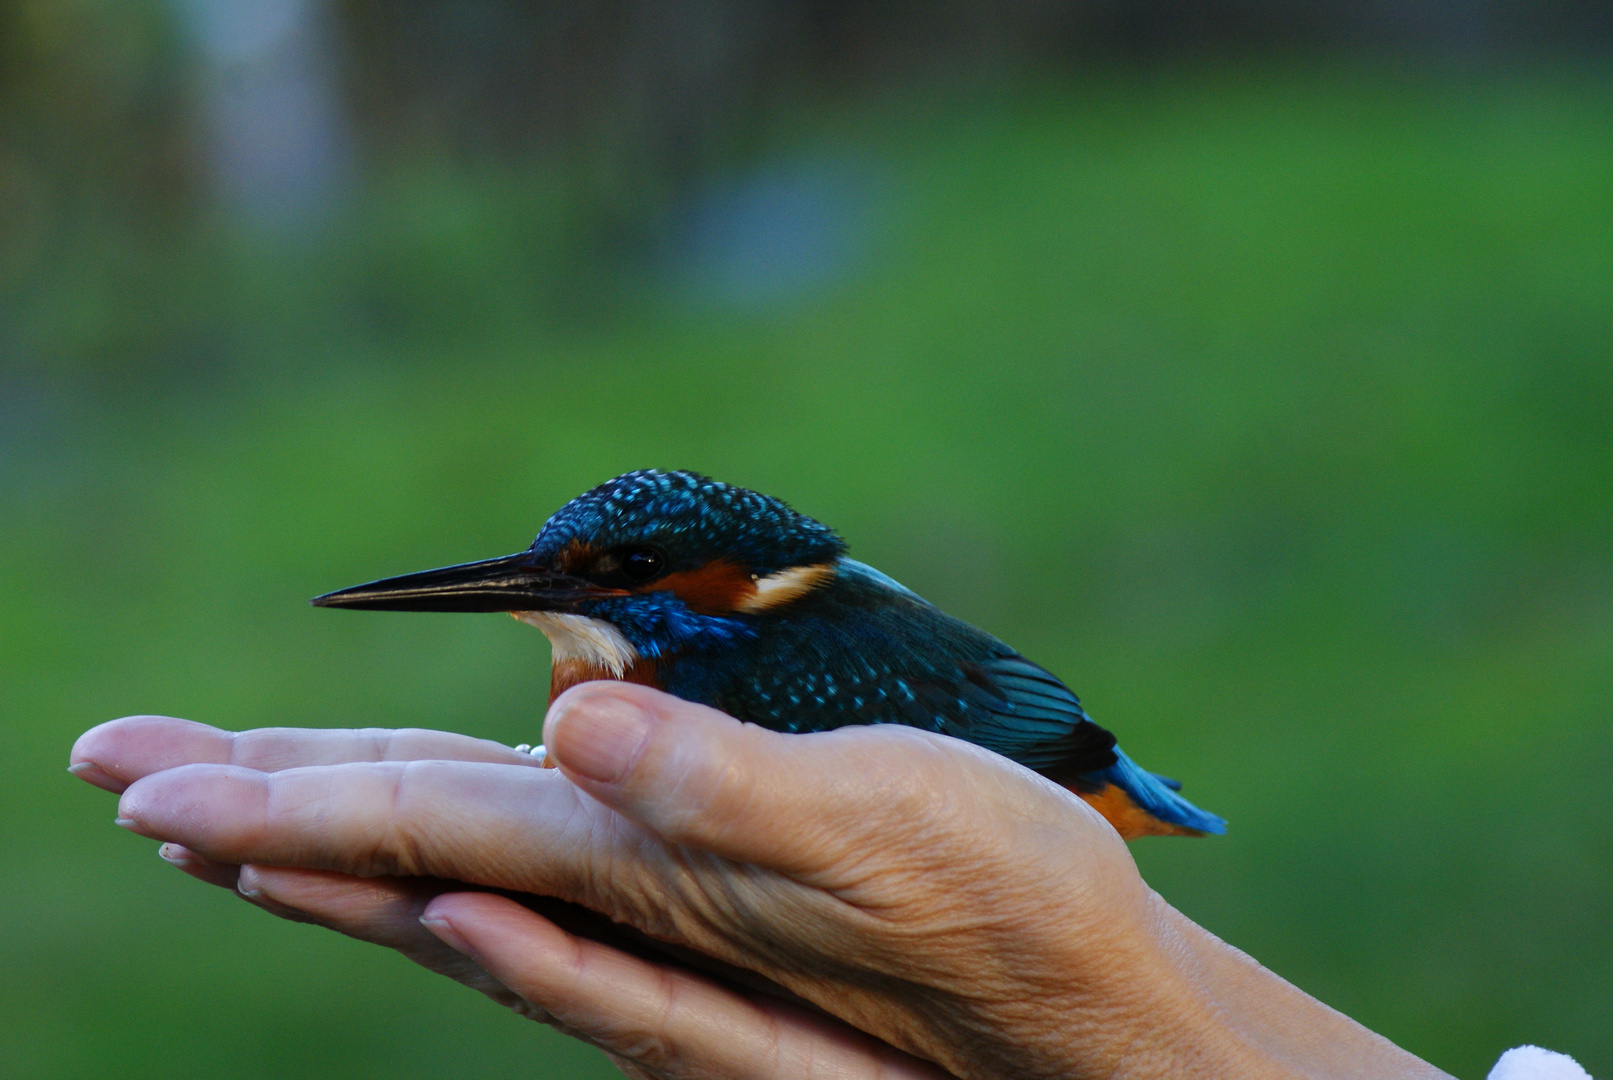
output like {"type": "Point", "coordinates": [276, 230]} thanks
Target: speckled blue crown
{"type": "Point", "coordinates": [692, 518]}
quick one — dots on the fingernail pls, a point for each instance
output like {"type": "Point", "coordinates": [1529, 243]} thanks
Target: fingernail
{"type": "Point", "coordinates": [174, 855]}
{"type": "Point", "coordinates": [601, 741]}
{"type": "Point", "coordinates": [256, 894]}
{"type": "Point", "coordinates": [126, 822]}
{"type": "Point", "coordinates": [91, 773]}
{"type": "Point", "coordinates": [249, 883]}
{"type": "Point", "coordinates": [447, 934]}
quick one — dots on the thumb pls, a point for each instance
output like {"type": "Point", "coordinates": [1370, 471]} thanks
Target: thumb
{"type": "Point", "coordinates": [700, 778]}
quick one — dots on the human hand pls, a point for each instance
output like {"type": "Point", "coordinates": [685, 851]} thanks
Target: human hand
{"type": "Point", "coordinates": [936, 896]}
{"type": "Point", "coordinates": [656, 1019]}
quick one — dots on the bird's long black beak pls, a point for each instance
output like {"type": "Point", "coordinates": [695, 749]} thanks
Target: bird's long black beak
{"type": "Point", "coordinates": [512, 583]}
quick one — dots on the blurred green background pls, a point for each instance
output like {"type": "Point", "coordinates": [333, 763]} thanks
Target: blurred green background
{"type": "Point", "coordinates": [1250, 365]}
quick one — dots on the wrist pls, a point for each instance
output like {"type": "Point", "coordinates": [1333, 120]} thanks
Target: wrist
{"type": "Point", "coordinates": [1208, 1010]}
{"type": "Point", "coordinates": [1178, 1023]}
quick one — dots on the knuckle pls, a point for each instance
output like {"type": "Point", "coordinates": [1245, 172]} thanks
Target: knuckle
{"type": "Point", "coordinates": [399, 744]}
{"type": "Point", "coordinates": [708, 800]}
{"type": "Point", "coordinates": [264, 749]}
{"type": "Point", "coordinates": [399, 843]}
{"type": "Point", "coordinates": [625, 882]}
{"type": "Point", "coordinates": [909, 786]}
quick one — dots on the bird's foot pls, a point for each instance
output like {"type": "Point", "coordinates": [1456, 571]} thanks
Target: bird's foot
{"type": "Point", "coordinates": [535, 751]}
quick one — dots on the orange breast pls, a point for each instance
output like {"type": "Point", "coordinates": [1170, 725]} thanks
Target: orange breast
{"type": "Point", "coordinates": [568, 673]}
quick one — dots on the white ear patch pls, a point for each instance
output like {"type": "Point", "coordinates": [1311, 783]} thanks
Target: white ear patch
{"type": "Point", "coordinates": [577, 637]}
{"type": "Point", "coordinates": [777, 589]}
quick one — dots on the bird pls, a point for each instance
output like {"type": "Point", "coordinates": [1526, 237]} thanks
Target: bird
{"type": "Point", "coordinates": [729, 598]}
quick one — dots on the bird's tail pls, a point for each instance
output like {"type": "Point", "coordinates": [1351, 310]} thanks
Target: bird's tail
{"type": "Point", "coordinates": [1156, 796]}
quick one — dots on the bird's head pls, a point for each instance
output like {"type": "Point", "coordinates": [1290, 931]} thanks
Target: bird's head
{"type": "Point", "coordinates": [653, 561]}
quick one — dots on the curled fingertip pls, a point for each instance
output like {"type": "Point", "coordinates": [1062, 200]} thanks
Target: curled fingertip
{"type": "Point", "coordinates": [447, 933]}
{"type": "Point", "coordinates": [249, 883]}
{"type": "Point", "coordinates": [250, 886]}
{"type": "Point", "coordinates": [91, 773]}
{"type": "Point", "coordinates": [262, 885]}
{"type": "Point", "coordinates": [197, 865]}
{"type": "Point", "coordinates": [176, 855]}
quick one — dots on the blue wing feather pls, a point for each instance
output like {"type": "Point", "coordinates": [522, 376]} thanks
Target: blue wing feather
{"type": "Point", "coordinates": [868, 651]}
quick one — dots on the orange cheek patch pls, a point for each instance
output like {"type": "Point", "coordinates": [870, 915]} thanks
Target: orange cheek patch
{"type": "Point", "coordinates": [715, 589]}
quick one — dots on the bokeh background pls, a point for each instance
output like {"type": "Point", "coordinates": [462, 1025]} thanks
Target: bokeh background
{"type": "Point", "coordinates": [1249, 363]}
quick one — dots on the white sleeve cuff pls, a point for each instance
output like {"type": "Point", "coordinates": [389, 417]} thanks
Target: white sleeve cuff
{"type": "Point", "coordinates": [1533, 1063]}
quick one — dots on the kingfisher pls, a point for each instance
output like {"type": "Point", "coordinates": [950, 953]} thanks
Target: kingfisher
{"type": "Point", "coordinates": [729, 598]}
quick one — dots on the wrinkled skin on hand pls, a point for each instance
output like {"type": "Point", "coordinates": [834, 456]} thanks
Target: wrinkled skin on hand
{"type": "Point", "coordinates": [879, 901]}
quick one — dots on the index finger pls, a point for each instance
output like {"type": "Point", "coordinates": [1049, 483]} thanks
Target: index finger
{"type": "Point", "coordinates": [115, 754]}
{"type": "Point", "coordinates": [526, 829]}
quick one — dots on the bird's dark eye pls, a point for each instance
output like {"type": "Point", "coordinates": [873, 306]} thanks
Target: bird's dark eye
{"type": "Point", "coordinates": [642, 564]}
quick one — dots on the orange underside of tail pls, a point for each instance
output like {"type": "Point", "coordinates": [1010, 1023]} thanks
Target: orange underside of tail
{"type": "Point", "coordinates": [1129, 819]}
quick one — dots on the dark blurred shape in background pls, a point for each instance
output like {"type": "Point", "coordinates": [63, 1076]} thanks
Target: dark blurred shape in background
{"type": "Point", "coordinates": [1247, 362]}
{"type": "Point", "coordinates": [124, 121]}
{"type": "Point", "coordinates": [276, 121]}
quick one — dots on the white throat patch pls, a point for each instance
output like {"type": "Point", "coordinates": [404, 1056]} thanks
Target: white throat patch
{"type": "Point", "coordinates": [577, 637]}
